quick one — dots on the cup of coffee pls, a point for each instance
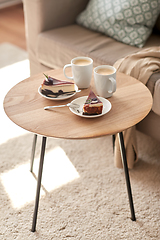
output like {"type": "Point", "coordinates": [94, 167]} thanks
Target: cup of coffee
{"type": "Point", "coordinates": [105, 80]}
{"type": "Point", "coordinates": [82, 68]}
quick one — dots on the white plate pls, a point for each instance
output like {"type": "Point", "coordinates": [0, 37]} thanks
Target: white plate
{"type": "Point", "coordinates": [60, 97]}
{"type": "Point", "coordinates": [79, 111]}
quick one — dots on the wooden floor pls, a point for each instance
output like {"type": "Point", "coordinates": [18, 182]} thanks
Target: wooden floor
{"type": "Point", "coordinates": [12, 27]}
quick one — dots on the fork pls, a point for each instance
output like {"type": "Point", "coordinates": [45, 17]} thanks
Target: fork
{"type": "Point", "coordinates": [73, 105]}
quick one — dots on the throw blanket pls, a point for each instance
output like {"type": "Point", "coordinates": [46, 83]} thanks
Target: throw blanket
{"type": "Point", "coordinates": [140, 65]}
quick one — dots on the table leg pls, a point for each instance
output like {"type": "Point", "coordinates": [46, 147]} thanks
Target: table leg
{"type": "Point", "coordinates": [113, 141]}
{"type": "Point", "coordinates": [38, 184]}
{"type": "Point", "coordinates": [125, 165]}
{"type": "Point", "coordinates": [33, 151]}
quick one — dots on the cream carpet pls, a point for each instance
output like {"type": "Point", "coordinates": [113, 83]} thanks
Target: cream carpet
{"type": "Point", "coordinates": [83, 195]}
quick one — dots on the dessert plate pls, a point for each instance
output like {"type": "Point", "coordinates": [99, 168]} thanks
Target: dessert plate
{"type": "Point", "coordinates": [60, 97]}
{"type": "Point", "coordinates": [81, 100]}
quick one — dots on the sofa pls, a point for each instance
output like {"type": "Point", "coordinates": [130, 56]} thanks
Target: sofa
{"type": "Point", "coordinates": [53, 38]}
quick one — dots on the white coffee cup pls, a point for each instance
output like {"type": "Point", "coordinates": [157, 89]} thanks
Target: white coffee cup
{"type": "Point", "coordinates": [105, 80]}
{"type": "Point", "coordinates": [82, 68]}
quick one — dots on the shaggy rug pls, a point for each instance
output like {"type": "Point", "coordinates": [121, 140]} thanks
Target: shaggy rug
{"type": "Point", "coordinates": [83, 196]}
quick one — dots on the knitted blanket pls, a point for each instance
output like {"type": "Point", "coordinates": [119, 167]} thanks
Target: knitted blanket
{"type": "Point", "coordinates": [140, 65]}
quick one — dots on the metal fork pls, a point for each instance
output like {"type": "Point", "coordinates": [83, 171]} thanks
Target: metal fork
{"type": "Point", "coordinates": [73, 105]}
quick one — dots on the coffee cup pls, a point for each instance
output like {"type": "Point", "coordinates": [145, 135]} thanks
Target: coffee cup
{"type": "Point", "coordinates": [105, 80]}
{"type": "Point", "coordinates": [82, 68]}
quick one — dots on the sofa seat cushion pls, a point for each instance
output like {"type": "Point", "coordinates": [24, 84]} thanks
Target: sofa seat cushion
{"type": "Point", "coordinates": [57, 47]}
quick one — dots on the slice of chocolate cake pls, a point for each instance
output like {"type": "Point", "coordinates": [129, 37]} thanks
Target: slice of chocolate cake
{"type": "Point", "coordinates": [92, 106]}
{"type": "Point", "coordinates": [53, 87]}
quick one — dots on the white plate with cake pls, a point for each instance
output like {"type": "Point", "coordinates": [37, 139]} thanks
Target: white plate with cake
{"type": "Point", "coordinates": [91, 106]}
{"type": "Point", "coordinates": [55, 89]}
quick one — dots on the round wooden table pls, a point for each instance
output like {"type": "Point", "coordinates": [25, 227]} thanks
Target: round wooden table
{"type": "Point", "coordinates": [131, 102]}
{"type": "Point", "coordinates": [23, 104]}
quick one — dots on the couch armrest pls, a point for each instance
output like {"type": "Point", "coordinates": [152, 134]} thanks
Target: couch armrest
{"type": "Point", "coordinates": [42, 15]}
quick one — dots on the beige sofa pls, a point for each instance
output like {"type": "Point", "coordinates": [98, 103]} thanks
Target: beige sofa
{"type": "Point", "coordinates": [54, 38]}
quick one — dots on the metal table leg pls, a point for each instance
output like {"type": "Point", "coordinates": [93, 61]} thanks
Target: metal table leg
{"type": "Point", "coordinates": [113, 141]}
{"type": "Point", "coordinates": [33, 151]}
{"type": "Point", "coordinates": [39, 184]}
{"type": "Point", "coordinates": [125, 165]}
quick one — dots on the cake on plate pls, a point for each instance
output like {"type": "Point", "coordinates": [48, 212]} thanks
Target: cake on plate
{"type": "Point", "coordinates": [52, 87]}
{"type": "Point", "coordinates": [92, 105]}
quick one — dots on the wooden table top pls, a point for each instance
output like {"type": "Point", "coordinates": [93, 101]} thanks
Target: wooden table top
{"type": "Point", "coordinates": [23, 104]}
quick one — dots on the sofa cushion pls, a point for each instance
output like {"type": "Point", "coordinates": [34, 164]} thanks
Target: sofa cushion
{"type": "Point", "coordinates": [128, 21]}
{"type": "Point", "coordinates": [57, 47]}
